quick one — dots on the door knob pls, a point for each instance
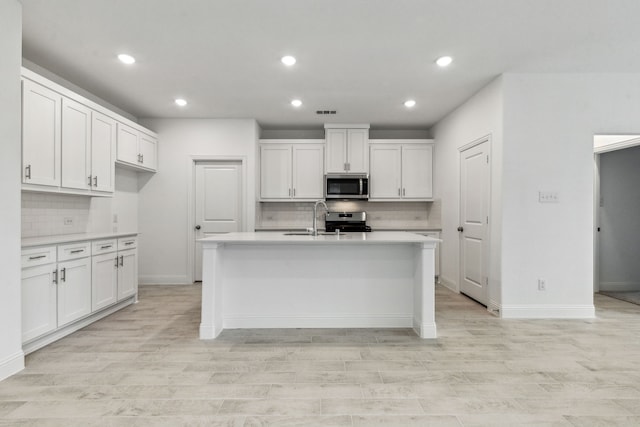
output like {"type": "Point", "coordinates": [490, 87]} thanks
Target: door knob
{"type": "Point", "coordinates": [460, 229]}
{"type": "Point", "coordinates": [197, 227]}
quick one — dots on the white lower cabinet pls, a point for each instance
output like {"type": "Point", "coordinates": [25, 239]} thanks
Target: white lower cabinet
{"type": "Point", "coordinates": [127, 274]}
{"type": "Point", "coordinates": [64, 287]}
{"type": "Point", "coordinates": [74, 290]}
{"type": "Point", "coordinates": [104, 281]}
{"type": "Point", "coordinates": [39, 295]}
{"type": "Point", "coordinates": [115, 271]}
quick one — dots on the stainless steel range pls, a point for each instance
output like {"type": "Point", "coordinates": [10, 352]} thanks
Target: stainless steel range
{"type": "Point", "coordinates": [346, 222]}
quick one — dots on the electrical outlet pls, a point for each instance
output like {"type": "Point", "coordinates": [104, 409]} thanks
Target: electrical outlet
{"type": "Point", "coordinates": [542, 285]}
{"type": "Point", "coordinates": [68, 221]}
{"type": "Point", "coordinates": [548, 197]}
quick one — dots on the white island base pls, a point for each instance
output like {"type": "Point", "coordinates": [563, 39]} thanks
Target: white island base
{"type": "Point", "coordinates": [356, 280]}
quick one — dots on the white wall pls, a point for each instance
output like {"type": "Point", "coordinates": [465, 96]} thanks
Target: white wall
{"type": "Point", "coordinates": [163, 197]}
{"type": "Point", "coordinates": [123, 204]}
{"type": "Point", "coordinates": [480, 116]}
{"type": "Point", "coordinates": [11, 356]}
{"type": "Point", "coordinates": [619, 220]}
{"type": "Point", "coordinates": [549, 123]}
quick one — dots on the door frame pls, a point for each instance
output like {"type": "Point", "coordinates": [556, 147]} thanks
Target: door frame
{"type": "Point", "coordinates": [493, 304]}
{"type": "Point", "coordinates": [191, 200]}
{"type": "Point", "coordinates": [632, 141]}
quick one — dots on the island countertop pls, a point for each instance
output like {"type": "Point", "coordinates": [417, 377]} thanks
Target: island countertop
{"type": "Point", "coordinates": [375, 237]}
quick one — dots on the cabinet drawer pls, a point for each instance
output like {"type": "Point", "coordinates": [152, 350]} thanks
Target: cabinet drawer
{"type": "Point", "coordinates": [74, 251]}
{"type": "Point", "coordinates": [38, 256]}
{"type": "Point", "coordinates": [127, 243]}
{"type": "Point", "coordinates": [104, 246]}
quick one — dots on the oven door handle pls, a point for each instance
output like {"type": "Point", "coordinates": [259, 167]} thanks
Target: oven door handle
{"type": "Point", "coordinates": [361, 186]}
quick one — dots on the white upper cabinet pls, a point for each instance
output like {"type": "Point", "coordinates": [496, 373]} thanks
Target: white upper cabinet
{"type": "Point", "coordinates": [291, 171]}
{"type": "Point", "coordinates": [136, 149]}
{"type": "Point", "coordinates": [386, 169]}
{"type": "Point", "coordinates": [308, 168]}
{"type": "Point", "coordinates": [275, 171]}
{"type": "Point", "coordinates": [76, 145]}
{"type": "Point", "coordinates": [401, 170]}
{"type": "Point", "coordinates": [41, 112]}
{"type": "Point", "coordinates": [69, 142]}
{"type": "Point", "coordinates": [417, 171]}
{"type": "Point", "coordinates": [347, 149]}
{"type": "Point", "coordinates": [103, 152]}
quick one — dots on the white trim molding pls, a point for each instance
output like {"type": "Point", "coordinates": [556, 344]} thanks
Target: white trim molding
{"type": "Point", "coordinates": [11, 365]}
{"type": "Point", "coordinates": [619, 286]}
{"type": "Point", "coordinates": [547, 311]}
{"type": "Point", "coordinates": [164, 280]}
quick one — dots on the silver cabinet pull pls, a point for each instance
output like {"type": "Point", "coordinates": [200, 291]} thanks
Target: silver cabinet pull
{"type": "Point", "coordinates": [404, 192]}
{"type": "Point", "coordinates": [36, 257]}
{"type": "Point", "coordinates": [95, 181]}
{"type": "Point", "coordinates": [142, 157]}
{"type": "Point", "coordinates": [289, 192]}
{"type": "Point", "coordinates": [27, 172]}
{"type": "Point", "coordinates": [89, 178]}
{"type": "Point", "coordinates": [121, 260]}
{"type": "Point", "coordinates": [399, 192]}
{"type": "Point", "coordinates": [345, 167]}
{"type": "Point", "coordinates": [63, 275]}
{"type": "Point", "coordinates": [77, 251]}
{"type": "Point", "coordinates": [116, 260]}
{"type": "Point", "coordinates": [105, 246]}
{"type": "Point", "coordinates": [55, 277]}
{"type": "Point", "coordinates": [294, 192]}
{"type": "Point", "coordinates": [131, 243]}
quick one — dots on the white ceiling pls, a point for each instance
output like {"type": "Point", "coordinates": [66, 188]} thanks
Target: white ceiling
{"type": "Point", "coordinates": [363, 58]}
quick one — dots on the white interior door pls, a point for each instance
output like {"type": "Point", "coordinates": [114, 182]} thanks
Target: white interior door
{"type": "Point", "coordinates": [474, 221]}
{"type": "Point", "coordinates": [218, 202]}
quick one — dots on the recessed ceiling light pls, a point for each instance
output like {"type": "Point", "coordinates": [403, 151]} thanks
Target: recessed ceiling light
{"type": "Point", "coordinates": [126, 59]}
{"type": "Point", "coordinates": [409, 103]}
{"type": "Point", "coordinates": [443, 61]}
{"type": "Point", "coordinates": [288, 60]}
{"type": "Point", "coordinates": [181, 102]}
{"type": "Point", "coordinates": [296, 103]}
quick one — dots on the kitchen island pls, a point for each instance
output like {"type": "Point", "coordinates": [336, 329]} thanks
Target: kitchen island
{"type": "Point", "coordinates": [289, 280]}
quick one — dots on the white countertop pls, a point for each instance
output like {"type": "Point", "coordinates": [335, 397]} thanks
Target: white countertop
{"type": "Point", "coordinates": [376, 237]}
{"type": "Point", "coordinates": [68, 238]}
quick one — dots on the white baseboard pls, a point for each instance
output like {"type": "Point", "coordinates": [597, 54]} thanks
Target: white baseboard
{"type": "Point", "coordinates": [164, 280]}
{"type": "Point", "coordinates": [38, 343]}
{"type": "Point", "coordinates": [619, 286]}
{"type": "Point", "coordinates": [11, 365]}
{"type": "Point", "coordinates": [425, 330]}
{"type": "Point", "coordinates": [547, 311]}
{"type": "Point", "coordinates": [449, 284]}
{"type": "Point", "coordinates": [320, 321]}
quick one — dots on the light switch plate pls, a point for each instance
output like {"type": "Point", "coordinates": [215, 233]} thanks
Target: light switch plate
{"type": "Point", "coordinates": [548, 197]}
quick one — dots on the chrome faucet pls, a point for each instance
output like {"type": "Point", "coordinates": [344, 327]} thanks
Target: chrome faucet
{"type": "Point", "coordinates": [314, 231]}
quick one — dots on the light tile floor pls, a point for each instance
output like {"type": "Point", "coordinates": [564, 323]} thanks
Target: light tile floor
{"type": "Point", "coordinates": [145, 366]}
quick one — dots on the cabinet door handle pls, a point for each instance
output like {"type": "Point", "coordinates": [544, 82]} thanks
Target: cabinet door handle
{"type": "Point", "coordinates": [116, 260]}
{"type": "Point", "coordinates": [289, 192]}
{"type": "Point", "coordinates": [141, 158]}
{"type": "Point", "coordinates": [348, 166]}
{"type": "Point", "coordinates": [294, 192]}
{"type": "Point", "coordinates": [345, 167]}
{"type": "Point", "coordinates": [95, 181]}
{"type": "Point", "coordinates": [404, 192]}
{"type": "Point", "coordinates": [36, 257]}
{"type": "Point", "coordinates": [63, 275]}
{"type": "Point", "coordinates": [399, 194]}
{"type": "Point", "coordinates": [89, 178]}
{"type": "Point", "coordinates": [105, 246]}
{"type": "Point", "coordinates": [77, 251]}
{"type": "Point", "coordinates": [27, 172]}
{"type": "Point", "coordinates": [131, 243]}
{"type": "Point", "coordinates": [55, 277]}
{"type": "Point", "coordinates": [121, 260]}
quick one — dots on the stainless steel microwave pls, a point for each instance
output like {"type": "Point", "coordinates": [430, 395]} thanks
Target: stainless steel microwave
{"type": "Point", "coordinates": [346, 187]}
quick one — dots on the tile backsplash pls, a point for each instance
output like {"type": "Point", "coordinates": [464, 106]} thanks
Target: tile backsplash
{"type": "Point", "coordinates": [54, 214]}
{"type": "Point", "coordinates": [380, 215]}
